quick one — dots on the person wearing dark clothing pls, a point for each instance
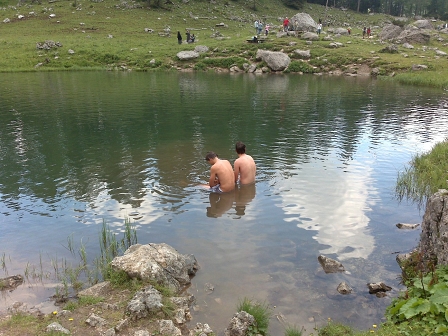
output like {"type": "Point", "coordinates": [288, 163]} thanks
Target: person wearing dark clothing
{"type": "Point", "coordinates": [188, 36]}
{"type": "Point", "coordinates": [179, 37]}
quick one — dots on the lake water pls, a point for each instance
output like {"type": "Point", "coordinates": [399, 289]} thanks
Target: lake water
{"type": "Point", "coordinates": [77, 149]}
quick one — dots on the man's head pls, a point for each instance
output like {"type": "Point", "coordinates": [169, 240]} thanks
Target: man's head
{"type": "Point", "coordinates": [240, 148]}
{"type": "Point", "coordinates": [211, 156]}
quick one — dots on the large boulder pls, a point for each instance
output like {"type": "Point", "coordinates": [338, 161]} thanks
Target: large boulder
{"type": "Point", "coordinates": [434, 236]}
{"type": "Point", "coordinates": [390, 32]}
{"type": "Point", "coordinates": [158, 262]}
{"type": "Point", "coordinates": [276, 61]}
{"type": "Point", "coordinates": [340, 31]}
{"type": "Point", "coordinates": [304, 22]}
{"type": "Point", "coordinates": [423, 24]}
{"type": "Point", "coordinates": [187, 55]}
{"type": "Point", "coordinates": [414, 36]}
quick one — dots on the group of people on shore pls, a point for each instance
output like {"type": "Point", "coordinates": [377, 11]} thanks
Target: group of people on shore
{"type": "Point", "coordinates": [223, 177]}
{"type": "Point", "coordinates": [366, 32]}
{"type": "Point", "coordinates": [190, 37]}
{"type": "Point", "coordinates": [260, 26]}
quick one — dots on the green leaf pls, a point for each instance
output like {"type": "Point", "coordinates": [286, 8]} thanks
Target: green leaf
{"type": "Point", "coordinates": [441, 328]}
{"type": "Point", "coordinates": [421, 306]}
{"type": "Point", "coordinates": [440, 296]}
{"type": "Point", "coordinates": [446, 314]}
{"type": "Point", "coordinates": [396, 308]}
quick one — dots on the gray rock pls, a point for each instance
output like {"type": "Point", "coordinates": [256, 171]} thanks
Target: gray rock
{"type": "Point", "coordinates": [414, 36]}
{"type": "Point", "coordinates": [239, 324]}
{"type": "Point", "coordinates": [303, 53]}
{"type": "Point", "coordinates": [144, 302]}
{"type": "Point", "coordinates": [375, 72]}
{"type": "Point", "coordinates": [10, 283]}
{"type": "Point", "coordinates": [441, 53]}
{"type": "Point", "coordinates": [330, 265]}
{"type": "Point", "coordinates": [390, 49]}
{"type": "Point", "coordinates": [201, 330]}
{"type": "Point", "coordinates": [187, 55]}
{"type": "Point", "coordinates": [276, 61]}
{"type": "Point", "coordinates": [408, 46]}
{"type": "Point", "coordinates": [95, 321]}
{"type": "Point", "coordinates": [110, 332]}
{"type": "Point", "coordinates": [335, 45]}
{"type": "Point", "coordinates": [390, 32]}
{"type": "Point", "coordinates": [406, 226]}
{"type": "Point", "coordinates": [417, 67]}
{"type": "Point", "coordinates": [168, 328]}
{"type": "Point", "coordinates": [303, 22]}
{"type": "Point", "coordinates": [340, 31]}
{"type": "Point", "coordinates": [344, 288]}
{"type": "Point", "coordinates": [402, 258]}
{"type": "Point", "coordinates": [57, 328]}
{"type": "Point", "coordinates": [142, 333]}
{"type": "Point", "coordinates": [201, 49]}
{"type": "Point", "coordinates": [310, 36]}
{"type": "Point", "coordinates": [97, 290]}
{"type": "Point", "coordinates": [423, 24]}
{"type": "Point", "coordinates": [122, 324]}
{"type": "Point", "coordinates": [376, 287]}
{"type": "Point", "coordinates": [252, 68]}
{"type": "Point", "coordinates": [158, 262]}
{"type": "Point", "coordinates": [434, 236]}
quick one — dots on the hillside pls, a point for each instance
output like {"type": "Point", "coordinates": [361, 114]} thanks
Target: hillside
{"type": "Point", "coordinates": [129, 35]}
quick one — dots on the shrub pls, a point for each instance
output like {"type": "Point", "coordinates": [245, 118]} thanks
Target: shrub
{"type": "Point", "coordinates": [299, 66]}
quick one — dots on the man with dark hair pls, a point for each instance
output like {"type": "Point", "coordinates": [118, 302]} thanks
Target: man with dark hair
{"type": "Point", "coordinates": [221, 174]}
{"type": "Point", "coordinates": [244, 166]}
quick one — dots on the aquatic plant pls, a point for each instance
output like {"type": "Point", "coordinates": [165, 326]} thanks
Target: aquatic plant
{"type": "Point", "coordinates": [425, 175]}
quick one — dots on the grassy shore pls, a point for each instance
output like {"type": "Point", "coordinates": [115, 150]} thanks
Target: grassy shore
{"type": "Point", "coordinates": [117, 35]}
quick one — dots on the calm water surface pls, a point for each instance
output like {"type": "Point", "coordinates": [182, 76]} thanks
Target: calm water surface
{"type": "Point", "coordinates": [80, 148]}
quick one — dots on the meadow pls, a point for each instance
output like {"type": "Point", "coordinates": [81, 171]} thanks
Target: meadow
{"type": "Point", "coordinates": [127, 35]}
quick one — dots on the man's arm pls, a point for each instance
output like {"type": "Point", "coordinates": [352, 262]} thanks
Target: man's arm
{"type": "Point", "coordinates": [213, 178]}
{"type": "Point", "coordinates": [236, 170]}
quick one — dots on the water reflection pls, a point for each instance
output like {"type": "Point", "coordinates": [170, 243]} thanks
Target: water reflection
{"type": "Point", "coordinates": [221, 203]}
{"type": "Point", "coordinates": [244, 195]}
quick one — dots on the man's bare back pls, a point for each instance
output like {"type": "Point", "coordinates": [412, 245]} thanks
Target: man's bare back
{"type": "Point", "coordinates": [244, 166]}
{"type": "Point", "coordinates": [221, 173]}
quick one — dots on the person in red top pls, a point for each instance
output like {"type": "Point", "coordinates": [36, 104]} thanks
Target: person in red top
{"type": "Point", "coordinates": [368, 32]}
{"type": "Point", "coordinates": [285, 24]}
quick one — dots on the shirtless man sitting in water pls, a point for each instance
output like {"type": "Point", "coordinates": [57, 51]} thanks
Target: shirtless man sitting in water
{"type": "Point", "coordinates": [244, 166]}
{"type": "Point", "coordinates": [221, 174]}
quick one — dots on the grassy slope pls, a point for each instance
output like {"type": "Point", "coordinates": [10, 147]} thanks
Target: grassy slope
{"type": "Point", "coordinates": [86, 27]}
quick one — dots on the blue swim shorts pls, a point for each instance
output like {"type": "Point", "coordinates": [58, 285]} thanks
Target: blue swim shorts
{"type": "Point", "coordinates": [216, 189]}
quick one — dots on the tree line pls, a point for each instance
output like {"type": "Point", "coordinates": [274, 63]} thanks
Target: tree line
{"type": "Point", "coordinates": [409, 8]}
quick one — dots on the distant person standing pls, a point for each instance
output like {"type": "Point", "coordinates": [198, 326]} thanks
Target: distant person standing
{"type": "Point", "coordinates": [188, 36]}
{"type": "Point", "coordinates": [349, 30]}
{"type": "Point", "coordinates": [266, 29]}
{"type": "Point", "coordinates": [256, 27]}
{"type": "Point", "coordinates": [319, 28]}
{"type": "Point", "coordinates": [364, 32]}
{"type": "Point", "coordinates": [260, 27]}
{"type": "Point", "coordinates": [244, 166]}
{"type": "Point", "coordinates": [179, 37]}
{"type": "Point", "coordinates": [368, 32]}
{"type": "Point", "coordinates": [286, 24]}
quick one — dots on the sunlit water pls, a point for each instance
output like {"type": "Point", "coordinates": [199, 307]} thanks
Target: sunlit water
{"type": "Point", "coordinates": [77, 149]}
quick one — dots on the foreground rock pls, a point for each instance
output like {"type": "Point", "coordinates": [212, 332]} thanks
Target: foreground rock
{"type": "Point", "coordinates": [187, 55]}
{"type": "Point", "coordinates": [434, 236]}
{"type": "Point", "coordinates": [344, 288]}
{"type": "Point", "coordinates": [159, 262]}
{"type": "Point", "coordinates": [10, 283]}
{"type": "Point", "coordinates": [407, 226]}
{"type": "Point", "coordinates": [378, 288]}
{"type": "Point", "coordinates": [240, 324]}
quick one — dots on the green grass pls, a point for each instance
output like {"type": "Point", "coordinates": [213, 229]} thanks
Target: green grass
{"type": "Point", "coordinates": [293, 331]}
{"type": "Point", "coordinates": [260, 312]}
{"type": "Point", "coordinates": [86, 30]}
{"type": "Point", "coordinates": [425, 174]}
